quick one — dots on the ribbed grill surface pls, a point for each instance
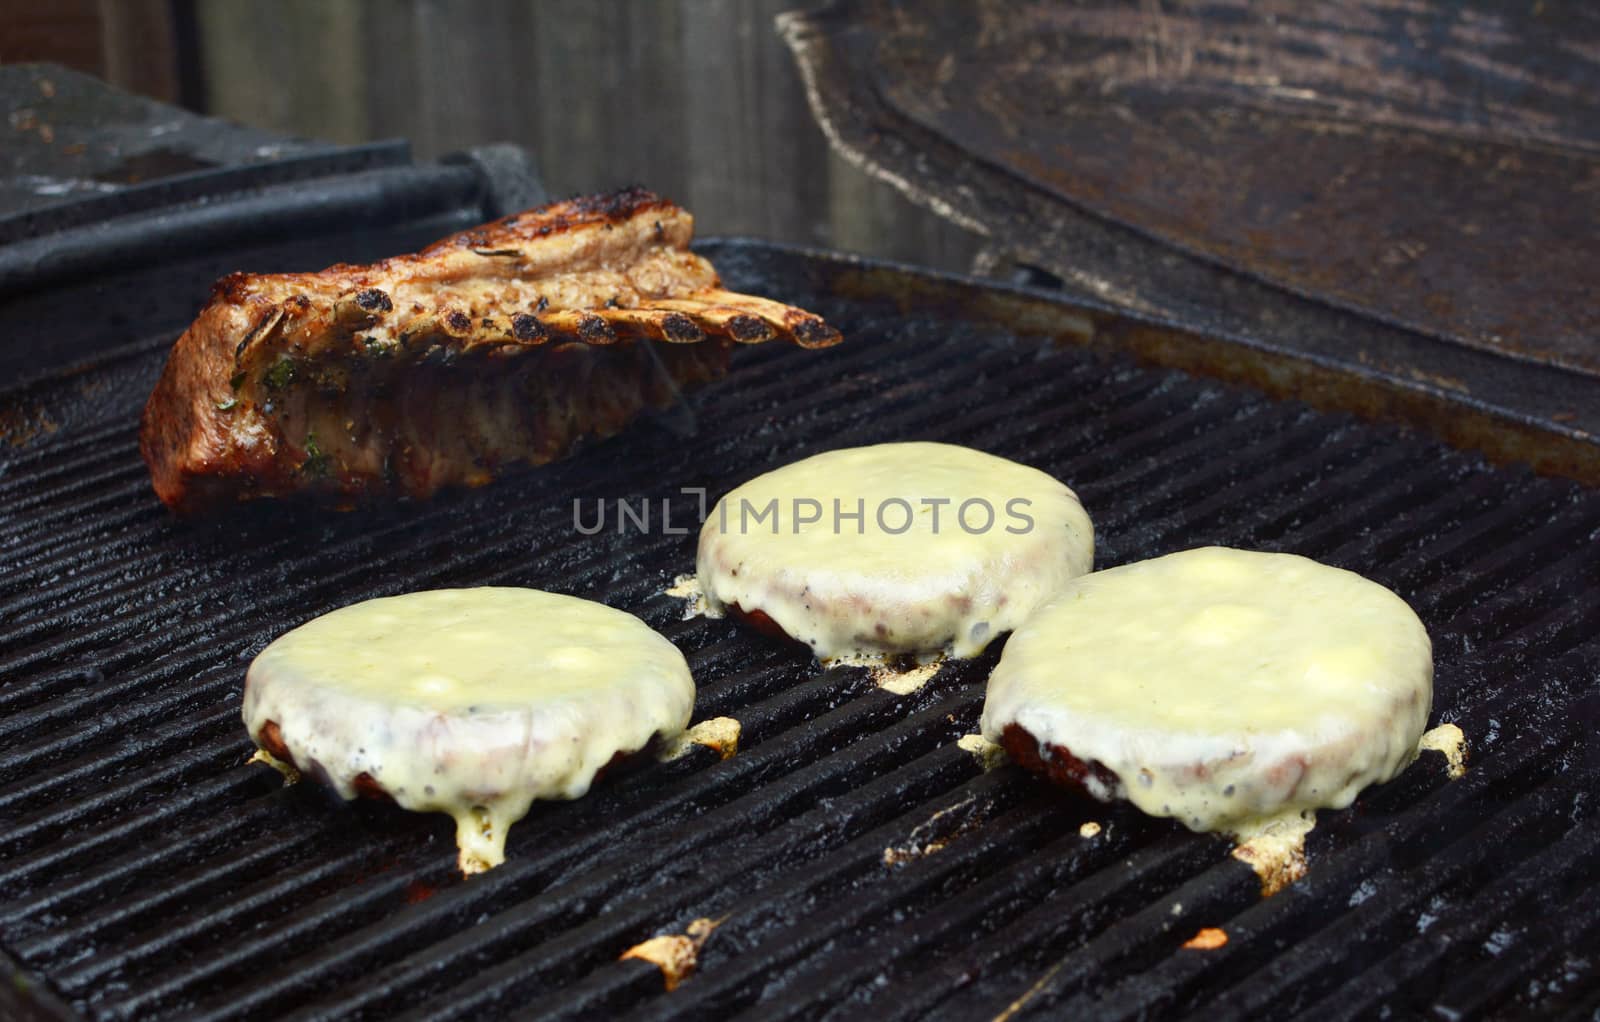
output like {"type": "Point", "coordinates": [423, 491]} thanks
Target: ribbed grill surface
{"type": "Point", "coordinates": [147, 872]}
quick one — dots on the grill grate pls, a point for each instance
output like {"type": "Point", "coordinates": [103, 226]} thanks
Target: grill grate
{"type": "Point", "coordinates": [148, 872]}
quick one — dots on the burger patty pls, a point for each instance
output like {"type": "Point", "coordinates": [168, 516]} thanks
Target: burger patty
{"type": "Point", "coordinates": [873, 553]}
{"type": "Point", "coordinates": [471, 702]}
{"type": "Point", "coordinates": [1217, 687]}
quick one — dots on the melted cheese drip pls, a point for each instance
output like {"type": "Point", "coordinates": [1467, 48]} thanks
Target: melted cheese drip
{"type": "Point", "coordinates": [472, 702]}
{"type": "Point", "coordinates": [1221, 687]}
{"type": "Point", "coordinates": [902, 681]}
{"type": "Point", "coordinates": [1275, 847]}
{"type": "Point", "coordinates": [290, 775]}
{"type": "Point", "coordinates": [864, 591]}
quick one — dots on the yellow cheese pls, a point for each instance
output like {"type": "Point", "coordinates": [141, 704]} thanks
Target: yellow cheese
{"type": "Point", "coordinates": [472, 702]}
{"type": "Point", "coordinates": [911, 548]}
{"type": "Point", "coordinates": [1222, 687]}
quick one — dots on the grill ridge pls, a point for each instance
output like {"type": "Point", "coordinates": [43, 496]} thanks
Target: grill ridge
{"type": "Point", "coordinates": [134, 827]}
{"type": "Point", "coordinates": [1303, 908]}
{"type": "Point", "coordinates": [837, 774]}
{"type": "Point", "coordinates": [420, 524]}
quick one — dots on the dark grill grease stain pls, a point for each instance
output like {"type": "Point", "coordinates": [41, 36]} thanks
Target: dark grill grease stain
{"type": "Point", "coordinates": [146, 871]}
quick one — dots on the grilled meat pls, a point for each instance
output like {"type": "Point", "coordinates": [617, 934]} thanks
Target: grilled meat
{"type": "Point", "coordinates": [473, 702]}
{"type": "Point", "coordinates": [1224, 688]}
{"type": "Point", "coordinates": [870, 554]}
{"type": "Point", "coordinates": [501, 345]}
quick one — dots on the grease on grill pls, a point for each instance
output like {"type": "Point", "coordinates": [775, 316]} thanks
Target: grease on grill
{"type": "Point", "coordinates": [1022, 1002]}
{"type": "Point", "coordinates": [677, 955]}
{"type": "Point", "coordinates": [20, 427]}
{"type": "Point", "coordinates": [936, 832]}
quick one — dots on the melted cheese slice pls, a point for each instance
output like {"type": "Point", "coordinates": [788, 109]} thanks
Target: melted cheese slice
{"type": "Point", "coordinates": [1221, 686]}
{"type": "Point", "coordinates": [918, 548]}
{"type": "Point", "coordinates": [472, 702]}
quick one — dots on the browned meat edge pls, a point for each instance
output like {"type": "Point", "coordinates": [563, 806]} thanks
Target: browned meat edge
{"type": "Point", "coordinates": [270, 738]}
{"type": "Point", "coordinates": [502, 345]}
{"type": "Point", "coordinates": [1055, 762]}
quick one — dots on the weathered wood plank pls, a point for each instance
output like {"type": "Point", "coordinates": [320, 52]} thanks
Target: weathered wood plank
{"type": "Point", "coordinates": [698, 100]}
{"type": "Point", "coordinates": [292, 66]}
{"type": "Point", "coordinates": [139, 47]}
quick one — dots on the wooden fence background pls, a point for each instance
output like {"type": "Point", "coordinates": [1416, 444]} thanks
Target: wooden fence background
{"type": "Point", "coordinates": [697, 99]}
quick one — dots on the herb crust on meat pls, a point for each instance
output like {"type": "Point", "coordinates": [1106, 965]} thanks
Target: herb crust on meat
{"type": "Point", "coordinates": [501, 345]}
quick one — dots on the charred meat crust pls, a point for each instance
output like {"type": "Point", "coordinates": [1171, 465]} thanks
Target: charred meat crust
{"type": "Point", "coordinates": [762, 622]}
{"type": "Point", "coordinates": [313, 383]}
{"type": "Point", "coordinates": [1055, 762]}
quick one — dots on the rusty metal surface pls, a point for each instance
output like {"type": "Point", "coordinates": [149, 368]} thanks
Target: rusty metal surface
{"type": "Point", "coordinates": [1434, 167]}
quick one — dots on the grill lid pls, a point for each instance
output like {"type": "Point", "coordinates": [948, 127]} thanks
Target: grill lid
{"type": "Point", "coordinates": [1345, 183]}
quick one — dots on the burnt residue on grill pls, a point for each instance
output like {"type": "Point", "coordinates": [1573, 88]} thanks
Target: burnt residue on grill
{"type": "Point", "coordinates": [147, 871]}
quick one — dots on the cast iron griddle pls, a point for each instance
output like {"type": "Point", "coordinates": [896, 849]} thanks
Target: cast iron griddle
{"type": "Point", "coordinates": [149, 872]}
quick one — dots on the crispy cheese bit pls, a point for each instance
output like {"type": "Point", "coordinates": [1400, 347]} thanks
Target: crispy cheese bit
{"type": "Point", "coordinates": [677, 955]}
{"type": "Point", "coordinates": [934, 833]}
{"type": "Point", "coordinates": [719, 734]}
{"type": "Point", "coordinates": [687, 588]}
{"type": "Point", "coordinates": [1447, 740]}
{"type": "Point", "coordinates": [988, 754]}
{"type": "Point", "coordinates": [1089, 829]}
{"type": "Point", "coordinates": [1276, 849]}
{"type": "Point", "coordinates": [1208, 939]}
{"type": "Point", "coordinates": [904, 681]}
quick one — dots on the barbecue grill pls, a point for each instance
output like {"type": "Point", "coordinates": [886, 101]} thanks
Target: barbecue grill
{"type": "Point", "coordinates": [858, 861]}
